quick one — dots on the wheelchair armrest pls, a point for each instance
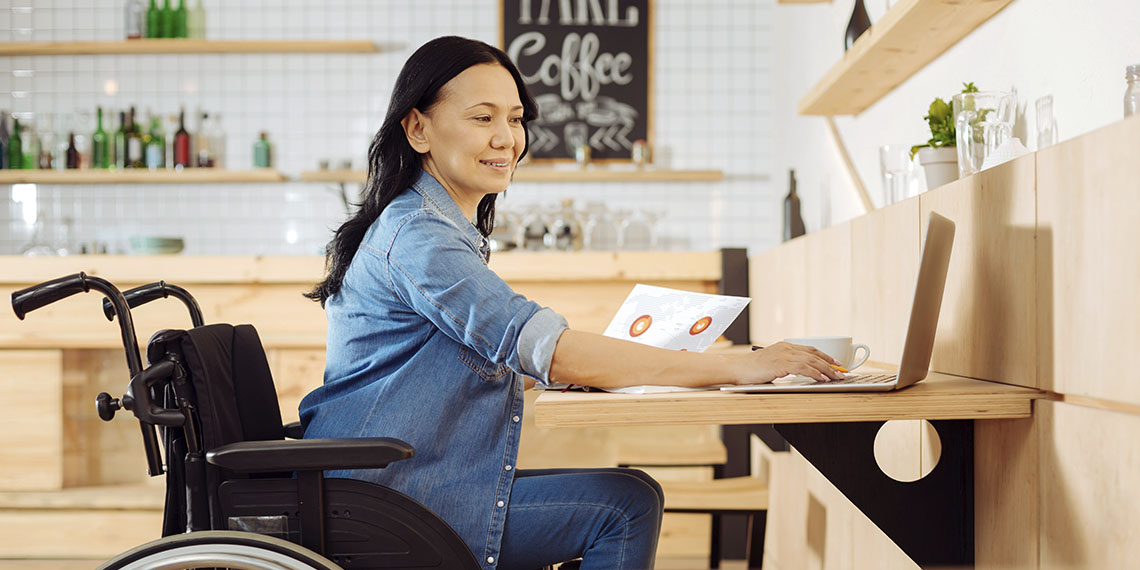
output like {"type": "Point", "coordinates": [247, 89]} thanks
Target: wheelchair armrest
{"type": "Point", "coordinates": [293, 430]}
{"type": "Point", "coordinates": [309, 454]}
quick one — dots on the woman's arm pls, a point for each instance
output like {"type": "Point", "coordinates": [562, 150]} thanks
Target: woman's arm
{"type": "Point", "coordinates": [590, 359]}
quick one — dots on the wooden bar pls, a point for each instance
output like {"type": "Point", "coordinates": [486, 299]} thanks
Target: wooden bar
{"type": "Point", "coordinates": [938, 397]}
{"type": "Point", "coordinates": [910, 35]}
{"type": "Point", "coordinates": [180, 45]}
{"type": "Point", "coordinates": [141, 176]}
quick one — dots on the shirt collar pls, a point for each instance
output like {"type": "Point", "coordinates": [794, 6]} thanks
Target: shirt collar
{"type": "Point", "coordinates": [430, 188]}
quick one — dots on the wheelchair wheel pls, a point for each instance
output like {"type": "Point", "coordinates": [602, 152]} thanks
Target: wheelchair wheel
{"type": "Point", "coordinates": [219, 549]}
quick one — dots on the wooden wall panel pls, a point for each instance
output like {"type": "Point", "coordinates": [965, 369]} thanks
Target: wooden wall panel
{"type": "Point", "coordinates": [1006, 486]}
{"type": "Point", "coordinates": [31, 425]}
{"type": "Point", "coordinates": [987, 327]}
{"type": "Point", "coordinates": [884, 265]}
{"type": "Point", "coordinates": [1088, 267]}
{"type": "Point", "coordinates": [1090, 464]}
{"type": "Point", "coordinates": [827, 282]}
{"type": "Point", "coordinates": [296, 372]}
{"type": "Point", "coordinates": [776, 280]}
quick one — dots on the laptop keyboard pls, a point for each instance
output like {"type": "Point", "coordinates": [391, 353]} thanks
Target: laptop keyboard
{"type": "Point", "coordinates": [866, 379]}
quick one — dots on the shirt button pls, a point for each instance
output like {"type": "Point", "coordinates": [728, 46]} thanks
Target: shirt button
{"type": "Point", "coordinates": [490, 560]}
{"type": "Point", "coordinates": [516, 419]}
{"type": "Point", "coordinates": [501, 504]}
{"type": "Point", "coordinates": [508, 468]}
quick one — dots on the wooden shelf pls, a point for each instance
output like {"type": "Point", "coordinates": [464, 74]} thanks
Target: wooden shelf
{"type": "Point", "coordinates": [140, 176]}
{"type": "Point", "coordinates": [547, 174]}
{"type": "Point", "coordinates": [910, 35]}
{"type": "Point", "coordinates": [169, 46]}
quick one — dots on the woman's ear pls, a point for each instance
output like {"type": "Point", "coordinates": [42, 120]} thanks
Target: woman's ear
{"type": "Point", "coordinates": [415, 129]}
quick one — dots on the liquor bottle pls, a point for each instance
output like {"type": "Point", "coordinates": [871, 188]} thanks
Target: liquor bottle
{"type": "Point", "coordinates": [152, 16]}
{"type": "Point", "coordinates": [100, 158]}
{"type": "Point", "coordinates": [196, 21]}
{"type": "Point", "coordinates": [120, 159]}
{"type": "Point", "coordinates": [155, 145]}
{"type": "Point", "coordinates": [31, 145]}
{"type": "Point", "coordinates": [180, 15]}
{"type": "Point", "coordinates": [5, 136]}
{"type": "Point", "coordinates": [181, 143]}
{"type": "Point", "coordinates": [217, 137]}
{"type": "Point", "coordinates": [859, 23]}
{"type": "Point", "coordinates": [134, 141]}
{"type": "Point", "coordinates": [203, 150]}
{"type": "Point", "coordinates": [793, 221]}
{"type": "Point", "coordinates": [135, 19]}
{"type": "Point", "coordinates": [261, 151]}
{"type": "Point", "coordinates": [72, 152]}
{"type": "Point", "coordinates": [166, 20]}
{"type": "Point", "coordinates": [15, 147]}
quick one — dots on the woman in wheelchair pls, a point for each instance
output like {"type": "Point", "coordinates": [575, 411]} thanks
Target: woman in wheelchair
{"type": "Point", "coordinates": [428, 345]}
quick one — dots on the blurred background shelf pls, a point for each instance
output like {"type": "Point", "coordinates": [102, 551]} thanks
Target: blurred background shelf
{"type": "Point", "coordinates": [168, 46]}
{"type": "Point", "coordinates": [140, 176]}
{"type": "Point", "coordinates": [910, 35]}
{"type": "Point", "coordinates": [547, 174]}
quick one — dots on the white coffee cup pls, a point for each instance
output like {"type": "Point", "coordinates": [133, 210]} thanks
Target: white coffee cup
{"type": "Point", "coordinates": [838, 347]}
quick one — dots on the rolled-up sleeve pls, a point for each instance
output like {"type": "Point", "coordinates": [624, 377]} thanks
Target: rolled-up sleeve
{"type": "Point", "coordinates": [434, 271]}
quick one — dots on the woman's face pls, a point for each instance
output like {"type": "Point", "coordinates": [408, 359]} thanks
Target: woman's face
{"type": "Point", "coordinates": [471, 139]}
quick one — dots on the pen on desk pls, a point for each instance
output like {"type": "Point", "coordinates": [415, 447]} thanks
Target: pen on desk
{"type": "Point", "coordinates": [835, 366]}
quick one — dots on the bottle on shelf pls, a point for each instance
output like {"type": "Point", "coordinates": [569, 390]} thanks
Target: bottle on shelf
{"type": "Point", "coordinates": [261, 151]}
{"type": "Point", "coordinates": [166, 20]}
{"type": "Point", "coordinates": [182, 143]}
{"type": "Point", "coordinates": [155, 145]}
{"type": "Point", "coordinates": [217, 138]}
{"type": "Point", "coordinates": [15, 147]}
{"type": "Point", "coordinates": [32, 149]}
{"type": "Point", "coordinates": [120, 143]}
{"type": "Point", "coordinates": [196, 21]}
{"type": "Point", "coordinates": [5, 136]}
{"type": "Point", "coordinates": [100, 158]}
{"type": "Point", "coordinates": [135, 19]}
{"type": "Point", "coordinates": [180, 16]}
{"type": "Point", "coordinates": [1132, 93]}
{"type": "Point", "coordinates": [793, 221]}
{"type": "Point", "coordinates": [72, 152]}
{"type": "Point", "coordinates": [152, 16]}
{"type": "Point", "coordinates": [203, 150]}
{"type": "Point", "coordinates": [134, 142]}
{"type": "Point", "coordinates": [859, 23]}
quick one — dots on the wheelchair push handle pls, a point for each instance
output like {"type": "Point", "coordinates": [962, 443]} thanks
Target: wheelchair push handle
{"type": "Point", "coordinates": [144, 294]}
{"type": "Point", "coordinates": [27, 300]}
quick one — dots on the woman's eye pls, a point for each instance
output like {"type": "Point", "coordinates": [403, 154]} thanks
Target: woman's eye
{"type": "Point", "coordinates": [483, 119]}
{"type": "Point", "coordinates": [517, 120]}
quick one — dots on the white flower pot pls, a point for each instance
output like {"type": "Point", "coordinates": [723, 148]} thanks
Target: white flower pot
{"type": "Point", "coordinates": [939, 164]}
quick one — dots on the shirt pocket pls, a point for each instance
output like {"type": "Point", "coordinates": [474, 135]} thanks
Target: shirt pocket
{"type": "Point", "coordinates": [487, 370]}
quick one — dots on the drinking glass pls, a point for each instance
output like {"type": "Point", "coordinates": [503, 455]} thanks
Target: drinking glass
{"type": "Point", "coordinates": [898, 172]}
{"type": "Point", "coordinates": [984, 120]}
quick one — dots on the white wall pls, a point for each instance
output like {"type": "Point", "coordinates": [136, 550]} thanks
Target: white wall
{"type": "Point", "coordinates": [1075, 50]}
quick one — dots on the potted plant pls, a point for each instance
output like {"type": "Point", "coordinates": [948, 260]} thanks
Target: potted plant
{"type": "Point", "coordinates": [939, 157]}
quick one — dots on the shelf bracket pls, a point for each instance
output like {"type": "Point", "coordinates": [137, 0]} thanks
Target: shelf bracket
{"type": "Point", "coordinates": [931, 519]}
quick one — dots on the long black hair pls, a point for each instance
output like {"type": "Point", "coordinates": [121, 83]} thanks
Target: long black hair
{"type": "Point", "coordinates": [392, 163]}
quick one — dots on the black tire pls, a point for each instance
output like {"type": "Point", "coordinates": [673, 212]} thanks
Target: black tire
{"type": "Point", "coordinates": [219, 548]}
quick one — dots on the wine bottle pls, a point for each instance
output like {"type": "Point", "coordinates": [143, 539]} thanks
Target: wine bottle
{"type": "Point", "coordinates": [166, 20]}
{"type": "Point", "coordinates": [217, 138]}
{"type": "Point", "coordinates": [180, 15]}
{"type": "Point", "coordinates": [100, 158]}
{"type": "Point", "coordinates": [261, 151]}
{"type": "Point", "coordinates": [72, 152]}
{"type": "Point", "coordinates": [859, 23]}
{"type": "Point", "coordinates": [5, 137]}
{"type": "Point", "coordinates": [135, 19]}
{"type": "Point", "coordinates": [155, 145]}
{"type": "Point", "coordinates": [196, 21]}
{"type": "Point", "coordinates": [15, 147]}
{"type": "Point", "coordinates": [181, 143]}
{"type": "Point", "coordinates": [31, 145]}
{"type": "Point", "coordinates": [793, 221]}
{"type": "Point", "coordinates": [120, 159]}
{"type": "Point", "coordinates": [134, 142]}
{"type": "Point", "coordinates": [202, 147]}
{"type": "Point", "coordinates": [152, 16]}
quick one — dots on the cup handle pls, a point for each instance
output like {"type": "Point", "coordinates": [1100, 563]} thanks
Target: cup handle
{"type": "Point", "coordinates": [866, 355]}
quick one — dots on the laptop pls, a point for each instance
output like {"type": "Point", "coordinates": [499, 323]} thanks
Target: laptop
{"type": "Point", "coordinates": [920, 331]}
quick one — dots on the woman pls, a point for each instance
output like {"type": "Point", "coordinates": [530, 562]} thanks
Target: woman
{"type": "Point", "coordinates": [428, 345]}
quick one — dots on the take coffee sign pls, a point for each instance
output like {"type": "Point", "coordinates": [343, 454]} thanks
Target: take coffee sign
{"type": "Point", "coordinates": [587, 63]}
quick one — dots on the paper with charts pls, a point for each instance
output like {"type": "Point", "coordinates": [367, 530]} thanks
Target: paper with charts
{"type": "Point", "coordinates": [673, 319]}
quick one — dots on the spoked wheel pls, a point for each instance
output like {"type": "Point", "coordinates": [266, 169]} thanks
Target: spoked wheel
{"type": "Point", "coordinates": [219, 549]}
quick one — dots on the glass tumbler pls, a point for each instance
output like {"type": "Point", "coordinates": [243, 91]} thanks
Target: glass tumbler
{"type": "Point", "coordinates": [984, 120]}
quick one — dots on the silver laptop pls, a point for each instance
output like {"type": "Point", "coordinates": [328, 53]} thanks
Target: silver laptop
{"type": "Point", "coordinates": [919, 333]}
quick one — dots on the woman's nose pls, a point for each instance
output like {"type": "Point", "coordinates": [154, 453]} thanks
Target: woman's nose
{"type": "Point", "coordinates": [503, 138]}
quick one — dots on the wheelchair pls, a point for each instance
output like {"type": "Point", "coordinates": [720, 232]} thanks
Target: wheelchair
{"type": "Point", "coordinates": [243, 490]}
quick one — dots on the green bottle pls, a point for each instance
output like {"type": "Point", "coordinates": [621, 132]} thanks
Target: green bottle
{"type": "Point", "coordinates": [261, 151]}
{"type": "Point", "coordinates": [166, 20]}
{"type": "Point", "coordinates": [31, 144]}
{"type": "Point", "coordinates": [100, 158]}
{"type": "Point", "coordinates": [15, 147]}
{"type": "Point", "coordinates": [180, 20]}
{"type": "Point", "coordinates": [121, 160]}
{"type": "Point", "coordinates": [155, 146]}
{"type": "Point", "coordinates": [153, 29]}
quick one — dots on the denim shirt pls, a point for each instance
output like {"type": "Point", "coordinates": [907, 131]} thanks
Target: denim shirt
{"type": "Point", "coordinates": [426, 344]}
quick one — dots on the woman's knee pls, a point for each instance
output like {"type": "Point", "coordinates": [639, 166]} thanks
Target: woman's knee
{"type": "Point", "coordinates": [648, 480]}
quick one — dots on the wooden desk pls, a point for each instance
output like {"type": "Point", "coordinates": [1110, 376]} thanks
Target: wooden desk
{"type": "Point", "coordinates": [938, 397]}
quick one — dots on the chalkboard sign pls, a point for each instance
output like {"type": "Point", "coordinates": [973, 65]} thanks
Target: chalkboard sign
{"type": "Point", "coordinates": [587, 63]}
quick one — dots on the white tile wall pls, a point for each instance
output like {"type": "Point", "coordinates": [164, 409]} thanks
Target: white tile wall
{"type": "Point", "coordinates": [712, 90]}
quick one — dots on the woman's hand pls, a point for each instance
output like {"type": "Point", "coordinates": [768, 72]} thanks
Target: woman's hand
{"type": "Point", "coordinates": [782, 358]}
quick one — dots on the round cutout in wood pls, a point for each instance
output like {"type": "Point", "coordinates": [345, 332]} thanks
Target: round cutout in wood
{"type": "Point", "coordinates": [907, 450]}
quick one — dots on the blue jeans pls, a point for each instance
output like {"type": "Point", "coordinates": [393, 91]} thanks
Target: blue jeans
{"type": "Point", "coordinates": [610, 518]}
